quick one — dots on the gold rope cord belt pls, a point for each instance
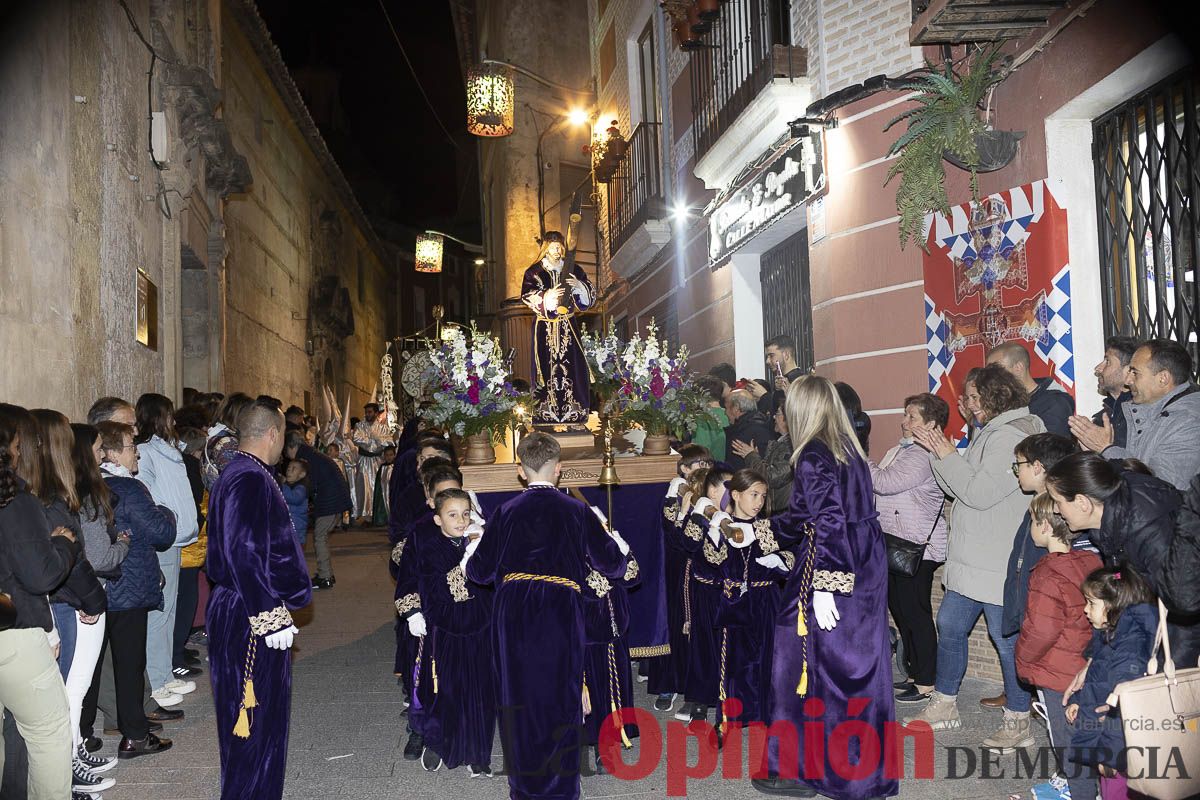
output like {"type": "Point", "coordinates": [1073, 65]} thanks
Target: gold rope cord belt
{"type": "Point", "coordinates": [554, 579]}
{"type": "Point", "coordinates": [706, 581]}
{"type": "Point", "coordinates": [730, 585]}
{"type": "Point", "coordinates": [552, 336]}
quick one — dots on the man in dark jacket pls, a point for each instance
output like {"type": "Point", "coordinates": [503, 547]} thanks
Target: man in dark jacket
{"type": "Point", "coordinates": [1112, 375]}
{"type": "Point", "coordinates": [330, 499]}
{"type": "Point", "coordinates": [746, 424]}
{"type": "Point", "coordinates": [1047, 400]}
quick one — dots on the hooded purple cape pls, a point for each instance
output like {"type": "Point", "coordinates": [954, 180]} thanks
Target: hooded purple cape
{"type": "Point", "coordinates": [538, 550]}
{"type": "Point", "coordinates": [832, 517]}
{"type": "Point", "coordinates": [259, 576]}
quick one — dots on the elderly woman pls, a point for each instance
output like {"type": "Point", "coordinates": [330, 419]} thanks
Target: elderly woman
{"type": "Point", "coordinates": [988, 508]}
{"type": "Point", "coordinates": [776, 463]}
{"type": "Point", "coordinates": [909, 501]}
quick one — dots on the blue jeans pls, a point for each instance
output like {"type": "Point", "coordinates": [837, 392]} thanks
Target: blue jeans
{"type": "Point", "coordinates": [65, 622]}
{"type": "Point", "coordinates": [955, 619]}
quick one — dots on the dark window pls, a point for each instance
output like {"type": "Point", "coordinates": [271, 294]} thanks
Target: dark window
{"type": "Point", "coordinates": [787, 301]}
{"type": "Point", "coordinates": [1147, 159]}
{"type": "Point", "coordinates": [649, 80]}
{"type": "Point", "coordinates": [666, 319]}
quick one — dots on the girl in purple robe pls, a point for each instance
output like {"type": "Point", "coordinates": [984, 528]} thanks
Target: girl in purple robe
{"type": "Point", "coordinates": [454, 701]}
{"type": "Point", "coordinates": [703, 596]}
{"type": "Point", "coordinates": [831, 635]}
{"type": "Point", "coordinates": [750, 576]}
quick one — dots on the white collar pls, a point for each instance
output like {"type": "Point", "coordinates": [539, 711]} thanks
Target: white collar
{"type": "Point", "coordinates": [541, 485]}
{"type": "Point", "coordinates": [115, 470]}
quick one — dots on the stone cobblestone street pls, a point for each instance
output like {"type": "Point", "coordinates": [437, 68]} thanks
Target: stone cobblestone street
{"type": "Point", "coordinates": [347, 733]}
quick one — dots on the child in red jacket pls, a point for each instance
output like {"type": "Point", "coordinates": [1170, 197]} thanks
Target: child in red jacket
{"type": "Point", "coordinates": [1056, 631]}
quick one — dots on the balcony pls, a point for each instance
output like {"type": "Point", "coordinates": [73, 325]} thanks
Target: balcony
{"type": "Point", "coordinates": [746, 82]}
{"type": "Point", "coordinates": [958, 21]}
{"type": "Point", "coordinates": [635, 192]}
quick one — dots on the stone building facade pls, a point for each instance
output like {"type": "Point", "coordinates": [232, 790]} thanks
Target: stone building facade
{"type": "Point", "coordinates": [193, 232]}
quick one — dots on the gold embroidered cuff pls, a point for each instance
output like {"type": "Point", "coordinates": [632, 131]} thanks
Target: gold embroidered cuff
{"type": "Point", "coordinates": [789, 559]}
{"type": "Point", "coordinates": [765, 536]}
{"type": "Point", "coordinates": [268, 622]}
{"type": "Point", "coordinates": [692, 531]}
{"type": "Point", "coordinates": [410, 602]}
{"type": "Point", "coordinates": [599, 583]}
{"type": "Point", "coordinates": [712, 555]}
{"type": "Point", "coordinates": [830, 581]}
{"type": "Point", "coordinates": [671, 509]}
{"type": "Point", "coordinates": [456, 580]}
{"type": "Point", "coordinates": [631, 569]}
{"type": "Point", "coordinates": [397, 551]}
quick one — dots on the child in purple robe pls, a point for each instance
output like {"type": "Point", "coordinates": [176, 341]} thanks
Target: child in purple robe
{"type": "Point", "coordinates": [667, 673]}
{"type": "Point", "coordinates": [703, 595]}
{"type": "Point", "coordinates": [454, 702]}
{"type": "Point", "coordinates": [538, 551]}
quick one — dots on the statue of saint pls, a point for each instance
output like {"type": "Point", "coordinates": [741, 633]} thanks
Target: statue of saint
{"type": "Point", "coordinates": [557, 291]}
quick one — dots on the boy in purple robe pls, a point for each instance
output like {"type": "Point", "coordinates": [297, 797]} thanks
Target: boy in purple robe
{"type": "Point", "coordinates": [454, 702]}
{"type": "Point", "coordinates": [556, 293]}
{"type": "Point", "coordinates": [537, 551]}
{"type": "Point", "coordinates": [259, 577]}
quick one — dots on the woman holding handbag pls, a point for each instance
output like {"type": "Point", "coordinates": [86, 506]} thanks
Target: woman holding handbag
{"type": "Point", "coordinates": [910, 503]}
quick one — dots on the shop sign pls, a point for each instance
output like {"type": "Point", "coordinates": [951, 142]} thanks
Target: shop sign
{"type": "Point", "coordinates": [790, 180]}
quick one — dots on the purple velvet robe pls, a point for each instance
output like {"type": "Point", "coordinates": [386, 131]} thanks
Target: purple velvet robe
{"type": "Point", "coordinates": [668, 673]}
{"type": "Point", "coordinates": [406, 595]}
{"type": "Point", "coordinates": [562, 381]}
{"type": "Point", "coordinates": [608, 671]}
{"type": "Point", "coordinates": [538, 632]}
{"type": "Point", "coordinates": [746, 616]}
{"type": "Point", "coordinates": [701, 602]}
{"type": "Point", "coordinates": [850, 663]}
{"type": "Point", "coordinates": [454, 683]}
{"type": "Point", "coordinates": [259, 575]}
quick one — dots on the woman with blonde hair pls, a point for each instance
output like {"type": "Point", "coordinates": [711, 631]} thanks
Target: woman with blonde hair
{"type": "Point", "coordinates": [831, 634]}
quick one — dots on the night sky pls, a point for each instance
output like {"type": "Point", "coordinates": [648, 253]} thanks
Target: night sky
{"type": "Point", "coordinates": [400, 163]}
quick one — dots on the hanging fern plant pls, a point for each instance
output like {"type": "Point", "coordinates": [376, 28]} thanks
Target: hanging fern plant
{"type": "Point", "coordinates": [945, 122]}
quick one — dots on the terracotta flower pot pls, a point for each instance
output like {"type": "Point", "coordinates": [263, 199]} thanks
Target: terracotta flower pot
{"type": "Point", "coordinates": [657, 444]}
{"type": "Point", "coordinates": [480, 449]}
{"type": "Point", "coordinates": [709, 9]}
{"type": "Point", "coordinates": [687, 39]}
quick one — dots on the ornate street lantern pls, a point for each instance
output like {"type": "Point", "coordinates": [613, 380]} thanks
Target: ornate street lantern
{"type": "Point", "coordinates": [489, 101]}
{"type": "Point", "coordinates": [429, 252]}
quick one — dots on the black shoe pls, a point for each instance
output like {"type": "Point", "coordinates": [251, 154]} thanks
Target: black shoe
{"type": "Point", "coordinates": [904, 684]}
{"type": "Point", "coordinates": [84, 780]}
{"type": "Point", "coordinates": [684, 714]}
{"type": "Point", "coordinates": [132, 748]}
{"type": "Point", "coordinates": [185, 672]}
{"type": "Point", "coordinates": [414, 746]}
{"type": "Point", "coordinates": [191, 652]}
{"type": "Point", "coordinates": [165, 715]}
{"type": "Point", "coordinates": [600, 770]}
{"type": "Point", "coordinates": [93, 743]}
{"type": "Point", "coordinates": [699, 713]}
{"type": "Point", "coordinates": [664, 702]}
{"type": "Point", "coordinates": [190, 660]}
{"type": "Point", "coordinates": [912, 695]}
{"type": "Point", "coordinates": [430, 761]}
{"type": "Point", "coordinates": [783, 786]}
{"type": "Point", "coordinates": [322, 583]}
{"type": "Point", "coordinates": [479, 770]}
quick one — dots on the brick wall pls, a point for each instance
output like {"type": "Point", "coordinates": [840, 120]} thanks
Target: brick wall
{"type": "Point", "coordinates": [850, 40]}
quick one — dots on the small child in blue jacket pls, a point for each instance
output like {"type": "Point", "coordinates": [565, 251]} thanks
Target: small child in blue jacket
{"type": "Point", "coordinates": [1120, 608]}
{"type": "Point", "coordinates": [295, 492]}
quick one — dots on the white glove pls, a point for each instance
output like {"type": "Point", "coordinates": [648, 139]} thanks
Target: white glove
{"type": "Point", "coordinates": [475, 528]}
{"type": "Point", "coordinates": [701, 504]}
{"type": "Point", "coordinates": [747, 535]}
{"type": "Point", "coordinates": [825, 610]}
{"type": "Point", "coordinates": [714, 526]}
{"type": "Point", "coordinates": [282, 640]}
{"type": "Point", "coordinates": [621, 543]}
{"type": "Point", "coordinates": [472, 546]}
{"type": "Point", "coordinates": [416, 625]}
{"type": "Point", "coordinates": [676, 485]}
{"type": "Point", "coordinates": [772, 561]}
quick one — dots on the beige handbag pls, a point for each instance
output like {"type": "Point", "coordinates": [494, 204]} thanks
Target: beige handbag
{"type": "Point", "coordinates": [1160, 714]}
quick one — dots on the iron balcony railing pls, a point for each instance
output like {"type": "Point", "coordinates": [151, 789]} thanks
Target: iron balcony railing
{"type": "Point", "coordinates": [738, 61]}
{"type": "Point", "coordinates": [635, 192]}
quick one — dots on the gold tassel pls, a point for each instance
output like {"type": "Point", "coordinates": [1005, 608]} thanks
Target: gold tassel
{"type": "Point", "coordinates": [242, 728]}
{"type": "Point", "coordinates": [248, 698]}
{"type": "Point", "coordinates": [802, 689]}
{"type": "Point", "coordinates": [587, 701]}
{"type": "Point", "coordinates": [433, 667]}
{"type": "Point", "coordinates": [801, 625]}
{"type": "Point", "coordinates": [621, 727]}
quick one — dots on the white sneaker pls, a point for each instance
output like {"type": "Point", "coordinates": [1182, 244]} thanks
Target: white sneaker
{"type": "Point", "coordinates": [165, 697]}
{"type": "Point", "coordinates": [180, 687]}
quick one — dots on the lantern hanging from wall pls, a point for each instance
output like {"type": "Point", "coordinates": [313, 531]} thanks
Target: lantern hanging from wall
{"type": "Point", "coordinates": [490, 101]}
{"type": "Point", "coordinates": [429, 252]}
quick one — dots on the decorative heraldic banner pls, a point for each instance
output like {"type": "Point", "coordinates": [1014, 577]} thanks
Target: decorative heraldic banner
{"type": "Point", "coordinates": [997, 272]}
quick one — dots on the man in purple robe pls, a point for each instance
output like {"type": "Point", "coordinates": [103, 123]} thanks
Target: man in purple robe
{"type": "Point", "coordinates": [557, 293]}
{"type": "Point", "coordinates": [538, 551]}
{"type": "Point", "coordinates": [259, 577]}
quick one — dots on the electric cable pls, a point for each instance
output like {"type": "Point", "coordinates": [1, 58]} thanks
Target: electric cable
{"type": "Point", "coordinates": [413, 70]}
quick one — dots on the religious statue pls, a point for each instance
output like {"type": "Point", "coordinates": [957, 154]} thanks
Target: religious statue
{"type": "Point", "coordinates": [557, 290]}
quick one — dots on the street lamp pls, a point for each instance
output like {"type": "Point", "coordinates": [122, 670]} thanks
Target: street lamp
{"type": "Point", "coordinates": [428, 254]}
{"type": "Point", "coordinates": [490, 100]}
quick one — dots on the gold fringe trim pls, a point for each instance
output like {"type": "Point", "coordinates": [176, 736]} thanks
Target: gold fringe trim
{"type": "Point", "coordinates": [650, 652]}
